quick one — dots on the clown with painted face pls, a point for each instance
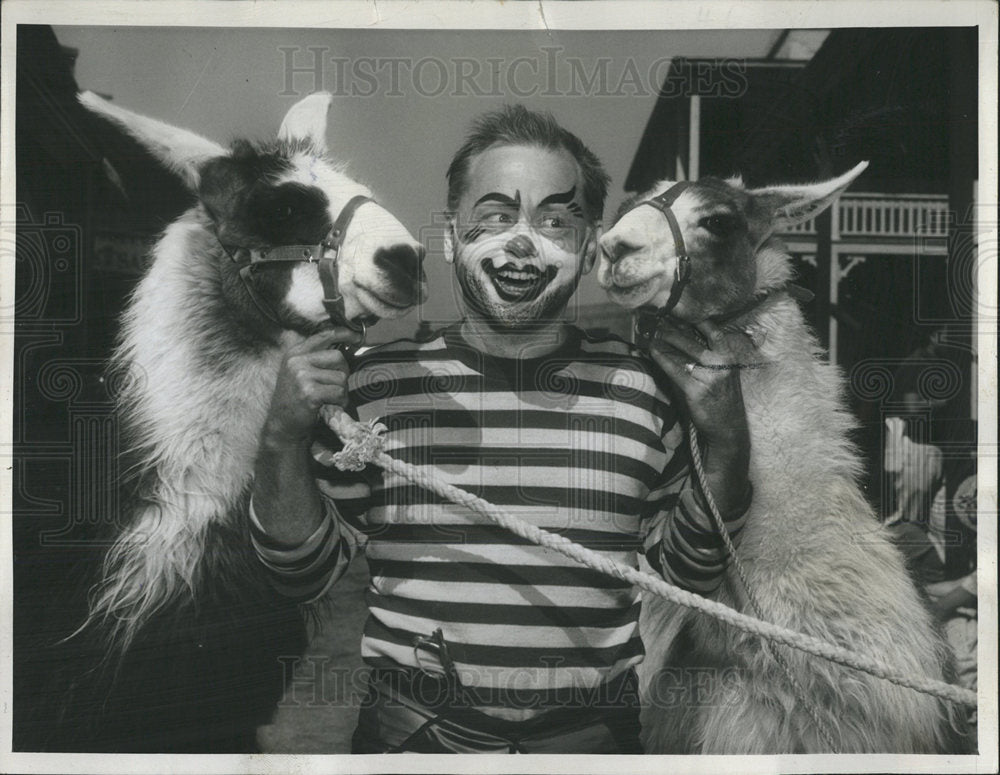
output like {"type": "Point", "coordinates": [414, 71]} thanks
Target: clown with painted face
{"type": "Point", "coordinates": [475, 640]}
{"type": "Point", "coordinates": [521, 236]}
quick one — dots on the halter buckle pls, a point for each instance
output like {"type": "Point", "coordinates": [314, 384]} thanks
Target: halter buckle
{"type": "Point", "coordinates": [333, 301]}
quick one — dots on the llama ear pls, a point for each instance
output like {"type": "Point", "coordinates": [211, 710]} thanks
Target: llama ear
{"type": "Point", "coordinates": [306, 120]}
{"type": "Point", "coordinates": [786, 206]}
{"type": "Point", "coordinates": [180, 150]}
{"type": "Point", "coordinates": [221, 181]}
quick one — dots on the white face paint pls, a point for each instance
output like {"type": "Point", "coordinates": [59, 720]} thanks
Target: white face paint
{"type": "Point", "coordinates": [521, 237]}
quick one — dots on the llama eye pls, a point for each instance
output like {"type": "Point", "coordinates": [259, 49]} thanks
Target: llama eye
{"type": "Point", "coordinates": [283, 211]}
{"type": "Point", "coordinates": [720, 224]}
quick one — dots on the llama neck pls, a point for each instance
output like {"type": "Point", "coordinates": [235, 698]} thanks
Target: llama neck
{"type": "Point", "coordinates": [205, 388]}
{"type": "Point", "coordinates": [793, 398]}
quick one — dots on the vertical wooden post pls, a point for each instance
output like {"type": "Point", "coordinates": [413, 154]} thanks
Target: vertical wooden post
{"type": "Point", "coordinates": [824, 255]}
{"type": "Point", "coordinates": [824, 280]}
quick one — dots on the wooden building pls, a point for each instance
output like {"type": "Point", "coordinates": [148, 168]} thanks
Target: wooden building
{"type": "Point", "coordinates": [894, 259]}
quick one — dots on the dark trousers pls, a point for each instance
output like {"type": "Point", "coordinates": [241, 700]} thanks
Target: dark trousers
{"type": "Point", "coordinates": [411, 711]}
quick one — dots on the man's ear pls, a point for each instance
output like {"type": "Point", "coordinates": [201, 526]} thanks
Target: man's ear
{"type": "Point", "coordinates": [591, 247]}
{"type": "Point", "coordinates": [450, 240]}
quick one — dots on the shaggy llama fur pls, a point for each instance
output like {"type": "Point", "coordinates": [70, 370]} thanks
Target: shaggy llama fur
{"type": "Point", "coordinates": [201, 360]}
{"type": "Point", "coordinates": [815, 555]}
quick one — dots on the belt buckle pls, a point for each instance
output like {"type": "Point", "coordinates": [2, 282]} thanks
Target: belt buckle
{"type": "Point", "coordinates": [436, 645]}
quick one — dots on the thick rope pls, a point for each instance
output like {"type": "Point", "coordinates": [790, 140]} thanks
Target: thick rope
{"type": "Point", "coordinates": [357, 437]}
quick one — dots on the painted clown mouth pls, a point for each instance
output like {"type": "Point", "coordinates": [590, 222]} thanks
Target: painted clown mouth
{"type": "Point", "coordinates": [514, 283]}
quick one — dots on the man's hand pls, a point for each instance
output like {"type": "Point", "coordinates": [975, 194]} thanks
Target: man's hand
{"type": "Point", "coordinates": [707, 375]}
{"type": "Point", "coordinates": [705, 370]}
{"type": "Point", "coordinates": [312, 374]}
{"type": "Point", "coordinates": [285, 497]}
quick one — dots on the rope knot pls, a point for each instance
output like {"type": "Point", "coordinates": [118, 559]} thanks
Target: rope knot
{"type": "Point", "coordinates": [364, 446]}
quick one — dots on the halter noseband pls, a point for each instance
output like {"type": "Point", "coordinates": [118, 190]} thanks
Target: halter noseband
{"type": "Point", "coordinates": [682, 273]}
{"type": "Point", "coordinates": [325, 254]}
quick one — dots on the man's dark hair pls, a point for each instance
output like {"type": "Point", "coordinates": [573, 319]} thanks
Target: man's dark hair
{"type": "Point", "coordinates": [516, 125]}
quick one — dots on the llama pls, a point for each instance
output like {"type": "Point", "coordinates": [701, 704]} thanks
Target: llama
{"type": "Point", "coordinates": [815, 556]}
{"type": "Point", "coordinates": [201, 345]}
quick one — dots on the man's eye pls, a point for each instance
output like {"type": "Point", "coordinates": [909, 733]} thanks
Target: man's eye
{"type": "Point", "coordinates": [498, 218]}
{"type": "Point", "coordinates": [553, 222]}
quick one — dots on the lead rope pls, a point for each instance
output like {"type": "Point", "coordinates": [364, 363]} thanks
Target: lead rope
{"type": "Point", "coordinates": [364, 444]}
{"type": "Point", "coordinates": [737, 565]}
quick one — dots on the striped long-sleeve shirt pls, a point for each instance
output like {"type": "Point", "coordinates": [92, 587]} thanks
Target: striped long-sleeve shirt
{"type": "Point", "coordinates": [582, 442]}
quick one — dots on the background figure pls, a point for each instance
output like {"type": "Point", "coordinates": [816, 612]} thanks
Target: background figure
{"type": "Point", "coordinates": [930, 455]}
{"type": "Point", "coordinates": [917, 473]}
{"type": "Point", "coordinates": [956, 600]}
{"type": "Point", "coordinates": [930, 451]}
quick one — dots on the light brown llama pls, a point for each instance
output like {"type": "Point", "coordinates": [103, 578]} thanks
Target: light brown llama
{"type": "Point", "coordinates": [816, 557]}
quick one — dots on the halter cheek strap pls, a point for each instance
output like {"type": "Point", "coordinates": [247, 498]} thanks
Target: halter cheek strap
{"type": "Point", "coordinates": [325, 254]}
{"type": "Point", "coordinates": [333, 300]}
{"type": "Point", "coordinates": [682, 273]}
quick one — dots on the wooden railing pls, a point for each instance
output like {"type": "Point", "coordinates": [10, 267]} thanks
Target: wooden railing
{"type": "Point", "coordinates": [885, 215]}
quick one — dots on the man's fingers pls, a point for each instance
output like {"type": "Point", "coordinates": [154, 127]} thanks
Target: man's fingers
{"type": "Point", "coordinates": [317, 392]}
{"type": "Point", "coordinates": [714, 333]}
{"type": "Point", "coordinates": [318, 341]}
{"type": "Point", "coordinates": [669, 338]}
{"type": "Point", "coordinates": [676, 365]}
{"type": "Point", "coordinates": [325, 359]}
{"type": "Point", "coordinates": [706, 342]}
{"type": "Point", "coordinates": [324, 340]}
{"type": "Point", "coordinates": [326, 376]}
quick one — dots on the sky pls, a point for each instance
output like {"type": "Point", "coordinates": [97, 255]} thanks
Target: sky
{"type": "Point", "coordinates": [402, 98]}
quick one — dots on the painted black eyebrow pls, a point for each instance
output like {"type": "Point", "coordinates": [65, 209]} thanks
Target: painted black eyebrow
{"type": "Point", "coordinates": [566, 197]}
{"type": "Point", "coordinates": [496, 196]}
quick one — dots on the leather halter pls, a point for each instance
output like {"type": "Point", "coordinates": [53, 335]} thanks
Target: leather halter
{"type": "Point", "coordinates": [682, 272]}
{"type": "Point", "coordinates": [325, 254]}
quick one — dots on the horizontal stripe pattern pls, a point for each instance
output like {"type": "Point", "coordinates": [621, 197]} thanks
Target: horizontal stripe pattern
{"type": "Point", "coordinates": [493, 553]}
{"type": "Point", "coordinates": [514, 657]}
{"type": "Point", "coordinates": [583, 442]}
{"type": "Point", "coordinates": [307, 571]}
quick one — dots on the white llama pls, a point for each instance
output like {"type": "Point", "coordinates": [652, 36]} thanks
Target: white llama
{"type": "Point", "coordinates": [816, 557]}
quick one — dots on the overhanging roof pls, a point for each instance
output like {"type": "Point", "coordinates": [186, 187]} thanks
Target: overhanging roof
{"type": "Point", "coordinates": [877, 94]}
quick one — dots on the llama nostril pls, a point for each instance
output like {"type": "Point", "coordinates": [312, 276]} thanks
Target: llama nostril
{"type": "Point", "coordinates": [402, 261]}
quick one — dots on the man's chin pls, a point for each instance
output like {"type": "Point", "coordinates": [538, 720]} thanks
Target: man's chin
{"type": "Point", "coordinates": [513, 325]}
{"type": "Point", "coordinates": [524, 316]}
